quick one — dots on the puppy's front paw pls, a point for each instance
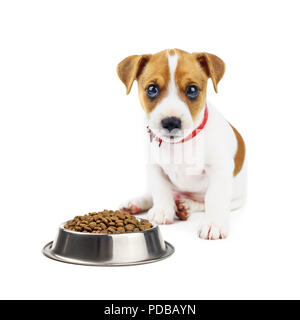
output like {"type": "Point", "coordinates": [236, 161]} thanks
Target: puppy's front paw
{"type": "Point", "coordinates": [162, 215]}
{"type": "Point", "coordinates": [209, 230]}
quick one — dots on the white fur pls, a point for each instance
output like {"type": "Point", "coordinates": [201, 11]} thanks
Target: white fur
{"type": "Point", "coordinates": [202, 166]}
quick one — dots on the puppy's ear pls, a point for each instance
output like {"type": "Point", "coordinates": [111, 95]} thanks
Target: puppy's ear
{"type": "Point", "coordinates": [130, 68]}
{"type": "Point", "coordinates": [213, 66]}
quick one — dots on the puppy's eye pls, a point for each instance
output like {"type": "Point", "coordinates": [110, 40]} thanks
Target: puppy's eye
{"type": "Point", "coordinates": [152, 91]}
{"type": "Point", "coordinates": [192, 92]}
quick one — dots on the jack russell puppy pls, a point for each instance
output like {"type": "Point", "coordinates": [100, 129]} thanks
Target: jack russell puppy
{"type": "Point", "coordinates": [197, 157]}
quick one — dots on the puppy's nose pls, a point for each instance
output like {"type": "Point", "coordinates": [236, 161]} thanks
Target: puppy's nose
{"type": "Point", "coordinates": [171, 123]}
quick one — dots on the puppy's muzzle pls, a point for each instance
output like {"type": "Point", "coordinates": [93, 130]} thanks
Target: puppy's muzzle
{"type": "Point", "coordinates": [171, 123]}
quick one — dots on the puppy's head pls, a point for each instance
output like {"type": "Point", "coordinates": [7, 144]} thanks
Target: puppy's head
{"type": "Point", "coordinates": [172, 87]}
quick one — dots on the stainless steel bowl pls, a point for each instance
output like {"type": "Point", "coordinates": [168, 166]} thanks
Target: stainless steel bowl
{"type": "Point", "coordinates": [108, 249]}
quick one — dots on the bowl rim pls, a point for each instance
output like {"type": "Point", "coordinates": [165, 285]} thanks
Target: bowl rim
{"type": "Point", "coordinates": [62, 227]}
{"type": "Point", "coordinates": [170, 249]}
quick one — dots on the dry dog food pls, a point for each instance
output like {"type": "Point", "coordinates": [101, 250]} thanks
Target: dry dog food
{"type": "Point", "coordinates": [108, 222]}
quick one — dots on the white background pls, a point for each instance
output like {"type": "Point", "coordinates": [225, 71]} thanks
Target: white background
{"type": "Point", "coordinates": [72, 142]}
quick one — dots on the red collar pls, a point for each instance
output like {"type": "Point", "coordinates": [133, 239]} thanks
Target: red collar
{"type": "Point", "coordinates": [187, 138]}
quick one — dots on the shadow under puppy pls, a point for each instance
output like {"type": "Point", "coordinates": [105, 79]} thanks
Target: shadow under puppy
{"type": "Point", "coordinates": [197, 157]}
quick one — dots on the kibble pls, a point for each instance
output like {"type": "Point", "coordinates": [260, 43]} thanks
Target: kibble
{"type": "Point", "coordinates": [108, 222]}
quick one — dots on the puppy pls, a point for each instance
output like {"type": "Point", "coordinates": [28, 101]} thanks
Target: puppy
{"type": "Point", "coordinates": [197, 157]}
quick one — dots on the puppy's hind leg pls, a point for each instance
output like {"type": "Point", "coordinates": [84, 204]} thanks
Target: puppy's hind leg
{"type": "Point", "coordinates": [138, 205]}
{"type": "Point", "coordinates": [237, 203]}
{"type": "Point", "coordinates": [187, 206]}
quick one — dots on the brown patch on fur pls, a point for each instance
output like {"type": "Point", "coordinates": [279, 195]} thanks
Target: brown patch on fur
{"type": "Point", "coordinates": [129, 69]}
{"type": "Point", "coordinates": [240, 152]}
{"type": "Point", "coordinates": [171, 52]}
{"type": "Point", "coordinates": [189, 72]}
{"type": "Point", "coordinates": [156, 72]}
{"type": "Point", "coordinates": [146, 69]}
{"type": "Point", "coordinates": [213, 66]}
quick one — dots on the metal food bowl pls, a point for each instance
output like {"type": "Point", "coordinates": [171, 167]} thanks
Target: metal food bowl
{"type": "Point", "coordinates": [94, 249]}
